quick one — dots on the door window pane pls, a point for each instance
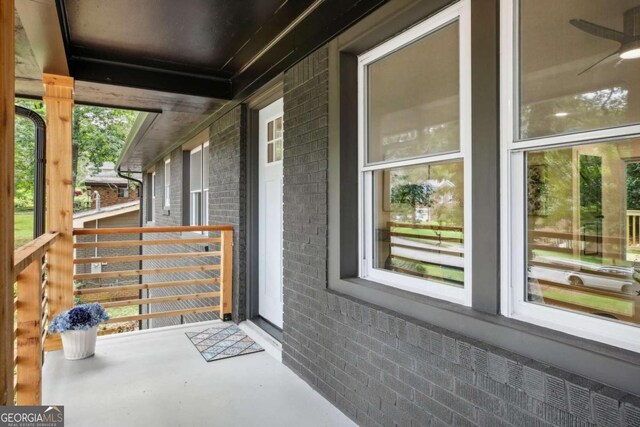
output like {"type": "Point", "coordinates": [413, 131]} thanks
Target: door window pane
{"type": "Point", "coordinates": [559, 43]}
{"type": "Point", "coordinates": [413, 99]}
{"type": "Point", "coordinates": [418, 221]}
{"type": "Point", "coordinates": [583, 228]}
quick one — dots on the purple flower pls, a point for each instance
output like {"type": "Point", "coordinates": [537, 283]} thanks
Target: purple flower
{"type": "Point", "coordinates": [79, 316]}
{"type": "Point", "coordinates": [82, 317]}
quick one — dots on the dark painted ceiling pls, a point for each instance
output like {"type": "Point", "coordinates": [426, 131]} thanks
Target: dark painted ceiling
{"type": "Point", "coordinates": [213, 37]}
{"type": "Point", "coordinates": [188, 61]}
{"type": "Point", "coordinates": [187, 46]}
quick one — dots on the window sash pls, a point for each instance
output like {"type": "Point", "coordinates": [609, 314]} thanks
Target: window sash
{"type": "Point", "coordinates": [459, 12]}
{"type": "Point", "coordinates": [199, 185]}
{"type": "Point", "coordinates": [167, 183]}
{"type": "Point", "coordinates": [514, 204]}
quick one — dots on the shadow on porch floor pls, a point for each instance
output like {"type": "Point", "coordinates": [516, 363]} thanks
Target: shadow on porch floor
{"type": "Point", "coordinates": [158, 378]}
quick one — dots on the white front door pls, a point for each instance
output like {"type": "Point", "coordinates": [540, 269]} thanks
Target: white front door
{"type": "Point", "coordinates": [270, 212]}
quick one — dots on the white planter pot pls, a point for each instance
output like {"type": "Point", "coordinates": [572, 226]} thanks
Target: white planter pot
{"type": "Point", "coordinates": [79, 344]}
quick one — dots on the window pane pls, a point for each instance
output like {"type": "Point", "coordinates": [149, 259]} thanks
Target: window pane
{"type": "Point", "coordinates": [558, 94]}
{"type": "Point", "coordinates": [196, 208]}
{"type": "Point", "coordinates": [418, 221]}
{"type": "Point", "coordinates": [205, 166]}
{"type": "Point", "coordinates": [584, 229]}
{"type": "Point", "coordinates": [205, 218]}
{"type": "Point", "coordinates": [413, 99]}
{"type": "Point", "coordinates": [270, 152]}
{"type": "Point", "coordinates": [195, 171]}
{"type": "Point", "coordinates": [278, 150]}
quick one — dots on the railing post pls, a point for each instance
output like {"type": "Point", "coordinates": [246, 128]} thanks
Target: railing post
{"type": "Point", "coordinates": [58, 99]}
{"type": "Point", "coordinates": [7, 95]}
{"type": "Point", "coordinates": [29, 361]}
{"type": "Point", "coordinates": [226, 274]}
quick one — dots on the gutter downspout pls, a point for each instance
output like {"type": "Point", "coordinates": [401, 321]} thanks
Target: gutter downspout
{"type": "Point", "coordinates": [121, 174]}
{"type": "Point", "coordinates": [39, 169]}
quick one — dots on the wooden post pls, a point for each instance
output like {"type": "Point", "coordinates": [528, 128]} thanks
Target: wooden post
{"type": "Point", "coordinates": [7, 99]}
{"type": "Point", "coordinates": [29, 362]}
{"type": "Point", "coordinates": [226, 275]}
{"type": "Point", "coordinates": [58, 99]}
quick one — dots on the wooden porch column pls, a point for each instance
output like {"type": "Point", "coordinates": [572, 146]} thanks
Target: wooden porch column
{"type": "Point", "coordinates": [58, 100]}
{"type": "Point", "coordinates": [7, 95]}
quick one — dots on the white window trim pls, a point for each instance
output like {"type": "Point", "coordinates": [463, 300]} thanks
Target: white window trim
{"type": "Point", "coordinates": [459, 12]}
{"type": "Point", "coordinates": [167, 183]}
{"type": "Point", "coordinates": [513, 210]}
{"type": "Point", "coordinates": [204, 189]}
{"type": "Point", "coordinates": [153, 197]}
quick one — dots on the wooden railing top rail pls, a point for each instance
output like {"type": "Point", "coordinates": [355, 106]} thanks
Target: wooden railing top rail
{"type": "Point", "coordinates": [25, 255]}
{"type": "Point", "coordinates": [138, 230]}
{"type": "Point", "coordinates": [423, 226]}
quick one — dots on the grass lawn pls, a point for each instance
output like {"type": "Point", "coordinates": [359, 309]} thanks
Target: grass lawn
{"type": "Point", "coordinates": [427, 232]}
{"type": "Point", "coordinates": [129, 310]}
{"type": "Point", "coordinates": [435, 271]}
{"type": "Point", "coordinates": [597, 302]}
{"type": "Point", "coordinates": [23, 228]}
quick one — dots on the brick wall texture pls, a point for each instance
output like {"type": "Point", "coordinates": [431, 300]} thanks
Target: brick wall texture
{"type": "Point", "coordinates": [227, 193]}
{"type": "Point", "coordinates": [384, 369]}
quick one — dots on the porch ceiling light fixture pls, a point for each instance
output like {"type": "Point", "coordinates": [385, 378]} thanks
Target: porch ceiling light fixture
{"type": "Point", "coordinates": [629, 39]}
{"type": "Point", "coordinates": [561, 114]}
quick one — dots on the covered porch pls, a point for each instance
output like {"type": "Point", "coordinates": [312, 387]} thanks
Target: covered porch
{"type": "Point", "coordinates": [157, 377]}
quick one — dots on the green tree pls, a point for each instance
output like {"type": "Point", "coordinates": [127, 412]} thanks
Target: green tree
{"type": "Point", "coordinates": [633, 186]}
{"type": "Point", "coordinates": [412, 195]}
{"type": "Point", "coordinates": [98, 136]}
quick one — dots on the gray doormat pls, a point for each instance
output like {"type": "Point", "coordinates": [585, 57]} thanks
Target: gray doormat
{"type": "Point", "coordinates": [222, 341]}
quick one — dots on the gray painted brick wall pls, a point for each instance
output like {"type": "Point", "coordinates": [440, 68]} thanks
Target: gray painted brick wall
{"type": "Point", "coordinates": [227, 193]}
{"type": "Point", "coordinates": [170, 217]}
{"type": "Point", "coordinates": [381, 368]}
{"type": "Point", "coordinates": [227, 201]}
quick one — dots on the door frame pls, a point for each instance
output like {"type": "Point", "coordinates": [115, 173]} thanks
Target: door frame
{"type": "Point", "coordinates": [263, 98]}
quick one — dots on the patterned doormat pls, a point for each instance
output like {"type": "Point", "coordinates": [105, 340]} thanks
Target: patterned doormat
{"type": "Point", "coordinates": [222, 341]}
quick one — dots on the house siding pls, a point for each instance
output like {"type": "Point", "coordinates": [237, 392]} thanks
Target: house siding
{"type": "Point", "coordinates": [109, 195]}
{"type": "Point", "coordinates": [129, 219]}
{"type": "Point", "coordinates": [382, 368]}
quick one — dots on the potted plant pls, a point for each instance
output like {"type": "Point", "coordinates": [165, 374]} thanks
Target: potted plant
{"type": "Point", "coordinates": [78, 328]}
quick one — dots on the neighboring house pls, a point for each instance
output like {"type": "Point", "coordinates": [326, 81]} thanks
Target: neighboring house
{"type": "Point", "coordinates": [115, 216]}
{"type": "Point", "coordinates": [112, 189]}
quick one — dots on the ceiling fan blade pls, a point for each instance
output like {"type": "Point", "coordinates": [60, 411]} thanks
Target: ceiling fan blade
{"type": "Point", "coordinates": [598, 62]}
{"type": "Point", "coordinates": [598, 30]}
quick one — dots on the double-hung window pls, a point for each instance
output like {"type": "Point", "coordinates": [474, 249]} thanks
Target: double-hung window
{"type": "Point", "coordinates": [167, 183]}
{"type": "Point", "coordinates": [571, 167]}
{"type": "Point", "coordinates": [199, 185]}
{"type": "Point", "coordinates": [415, 169]}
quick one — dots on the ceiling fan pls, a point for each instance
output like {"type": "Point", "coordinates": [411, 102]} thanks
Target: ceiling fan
{"type": "Point", "coordinates": [629, 40]}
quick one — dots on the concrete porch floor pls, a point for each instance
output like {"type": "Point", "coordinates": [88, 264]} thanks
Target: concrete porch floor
{"type": "Point", "coordinates": [158, 378]}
